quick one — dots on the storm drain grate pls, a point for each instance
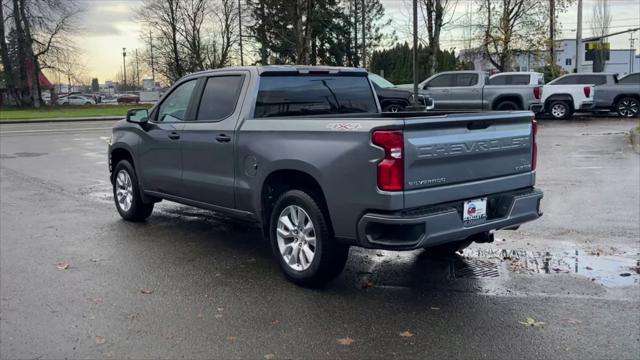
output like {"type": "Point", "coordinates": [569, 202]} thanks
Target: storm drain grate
{"type": "Point", "coordinates": [474, 269]}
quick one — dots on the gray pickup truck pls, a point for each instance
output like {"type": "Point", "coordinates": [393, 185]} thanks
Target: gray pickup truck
{"type": "Point", "coordinates": [611, 94]}
{"type": "Point", "coordinates": [306, 153]}
{"type": "Point", "coordinates": [473, 91]}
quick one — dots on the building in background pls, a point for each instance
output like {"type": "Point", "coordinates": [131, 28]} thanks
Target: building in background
{"type": "Point", "coordinates": [619, 59]}
{"type": "Point", "coordinates": [522, 60]}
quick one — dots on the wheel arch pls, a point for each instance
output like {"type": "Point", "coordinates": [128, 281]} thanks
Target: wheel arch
{"type": "Point", "coordinates": [624, 95]}
{"type": "Point", "coordinates": [559, 97]}
{"type": "Point", "coordinates": [516, 98]}
{"type": "Point", "coordinates": [281, 180]}
{"type": "Point", "coordinates": [118, 154]}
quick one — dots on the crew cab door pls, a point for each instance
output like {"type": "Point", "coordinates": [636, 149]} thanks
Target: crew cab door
{"type": "Point", "coordinates": [438, 89]}
{"type": "Point", "coordinates": [208, 141]}
{"type": "Point", "coordinates": [466, 92]}
{"type": "Point", "coordinates": [159, 160]}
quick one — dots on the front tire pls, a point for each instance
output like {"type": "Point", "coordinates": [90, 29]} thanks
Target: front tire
{"type": "Point", "coordinates": [560, 110]}
{"type": "Point", "coordinates": [126, 194]}
{"type": "Point", "coordinates": [628, 107]}
{"type": "Point", "coordinates": [393, 108]}
{"type": "Point", "coordinates": [302, 242]}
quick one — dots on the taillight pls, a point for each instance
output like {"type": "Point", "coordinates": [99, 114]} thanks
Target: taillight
{"type": "Point", "coordinates": [587, 91]}
{"type": "Point", "coordinates": [391, 169]}
{"type": "Point", "coordinates": [537, 92]}
{"type": "Point", "coordinates": [534, 134]}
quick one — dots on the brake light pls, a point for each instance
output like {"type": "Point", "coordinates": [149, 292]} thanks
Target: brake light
{"type": "Point", "coordinates": [537, 92]}
{"type": "Point", "coordinates": [391, 168]}
{"type": "Point", "coordinates": [587, 91]}
{"type": "Point", "coordinates": [534, 134]}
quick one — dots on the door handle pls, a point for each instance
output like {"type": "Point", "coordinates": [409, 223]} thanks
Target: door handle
{"type": "Point", "coordinates": [174, 135]}
{"type": "Point", "coordinates": [223, 138]}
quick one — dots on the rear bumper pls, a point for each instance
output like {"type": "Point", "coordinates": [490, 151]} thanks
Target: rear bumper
{"type": "Point", "coordinates": [435, 225]}
{"type": "Point", "coordinates": [587, 105]}
{"type": "Point", "coordinates": [536, 108]}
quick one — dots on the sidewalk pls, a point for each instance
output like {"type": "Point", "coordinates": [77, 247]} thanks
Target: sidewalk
{"type": "Point", "coordinates": [72, 119]}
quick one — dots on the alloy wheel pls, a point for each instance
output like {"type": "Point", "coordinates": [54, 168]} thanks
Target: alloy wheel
{"type": "Point", "coordinates": [124, 190]}
{"type": "Point", "coordinates": [296, 237]}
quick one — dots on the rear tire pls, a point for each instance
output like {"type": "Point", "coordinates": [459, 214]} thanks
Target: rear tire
{"type": "Point", "coordinates": [126, 194]}
{"type": "Point", "coordinates": [560, 110]}
{"type": "Point", "coordinates": [628, 107]}
{"type": "Point", "coordinates": [302, 242]}
{"type": "Point", "coordinates": [507, 106]}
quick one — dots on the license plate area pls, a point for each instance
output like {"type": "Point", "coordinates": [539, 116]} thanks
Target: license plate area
{"type": "Point", "coordinates": [474, 212]}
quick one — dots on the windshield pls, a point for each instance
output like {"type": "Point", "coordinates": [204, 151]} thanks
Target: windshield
{"type": "Point", "coordinates": [380, 81]}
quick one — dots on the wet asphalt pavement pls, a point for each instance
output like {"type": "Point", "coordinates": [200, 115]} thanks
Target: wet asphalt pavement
{"type": "Point", "coordinates": [191, 284]}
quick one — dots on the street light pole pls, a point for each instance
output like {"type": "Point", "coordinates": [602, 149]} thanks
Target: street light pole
{"type": "Point", "coordinates": [416, 106]}
{"type": "Point", "coordinates": [124, 68]}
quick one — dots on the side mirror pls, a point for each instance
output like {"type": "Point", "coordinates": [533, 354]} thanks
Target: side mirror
{"type": "Point", "coordinates": [425, 86]}
{"type": "Point", "coordinates": [138, 116]}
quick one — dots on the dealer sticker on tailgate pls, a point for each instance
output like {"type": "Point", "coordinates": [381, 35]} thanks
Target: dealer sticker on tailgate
{"type": "Point", "coordinates": [474, 212]}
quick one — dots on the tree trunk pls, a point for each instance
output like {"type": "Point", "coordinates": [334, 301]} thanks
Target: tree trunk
{"type": "Point", "coordinates": [6, 61]}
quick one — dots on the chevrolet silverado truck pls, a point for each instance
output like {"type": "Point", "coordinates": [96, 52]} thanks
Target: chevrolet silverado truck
{"type": "Point", "coordinates": [473, 91]}
{"type": "Point", "coordinates": [565, 95]}
{"type": "Point", "coordinates": [306, 153]}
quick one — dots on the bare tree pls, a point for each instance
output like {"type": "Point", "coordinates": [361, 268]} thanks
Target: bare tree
{"type": "Point", "coordinates": [600, 23]}
{"type": "Point", "coordinates": [434, 13]}
{"type": "Point", "coordinates": [511, 26]}
{"type": "Point", "coordinates": [38, 31]}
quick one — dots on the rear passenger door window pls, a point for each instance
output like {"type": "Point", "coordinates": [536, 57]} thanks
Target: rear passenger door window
{"type": "Point", "coordinates": [567, 80]}
{"type": "Point", "coordinates": [219, 97]}
{"type": "Point", "coordinates": [465, 80]}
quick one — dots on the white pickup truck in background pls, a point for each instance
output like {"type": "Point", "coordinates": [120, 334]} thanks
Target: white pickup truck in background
{"type": "Point", "coordinates": [561, 97]}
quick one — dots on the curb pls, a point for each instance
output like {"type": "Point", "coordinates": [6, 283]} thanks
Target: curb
{"type": "Point", "coordinates": [635, 139]}
{"type": "Point", "coordinates": [50, 120]}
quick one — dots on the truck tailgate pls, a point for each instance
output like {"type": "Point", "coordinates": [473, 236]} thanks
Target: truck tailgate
{"type": "Point", "coordinates": [465, 151]}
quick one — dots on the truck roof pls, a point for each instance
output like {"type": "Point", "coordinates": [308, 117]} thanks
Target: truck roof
{"type": "Point", "coordinates": [267, 70]}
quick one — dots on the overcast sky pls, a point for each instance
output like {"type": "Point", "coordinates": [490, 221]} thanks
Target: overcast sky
{"type": "Point", "coordinates": [109, 25]}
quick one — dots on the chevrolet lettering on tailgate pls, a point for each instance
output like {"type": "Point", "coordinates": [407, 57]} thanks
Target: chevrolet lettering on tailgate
{"type": "Point", "coordinates": [467, 147]}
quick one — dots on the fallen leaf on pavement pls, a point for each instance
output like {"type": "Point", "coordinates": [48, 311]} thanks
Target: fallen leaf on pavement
{"type": "Point", "coordinates": [406, 333]}
{"type": "Point", "coordinates": [218, 316]}
{"type": "Point", "coordinates": [572, 321]}
{"type": "Point", "coordinates": [100, 340]}
{"type": "Point", "coordinates": [275, 322]}
{"type": "Point", "coordinates": [146, 291]}
{"type": "Point", "coordinates": [220, 309]}
{"type": "Point", "coordinates": [269, 356]}
{"type": "Point", "coordinates": [532, 322]}
{"type": "Point", "coordinates": [232, 338]}
{"type": "Point", "coordinates": [62, 265]}
{"type": "Point", "coordinates": [345, 341]}
{"type": "Point", "coordinates": [97, 300]}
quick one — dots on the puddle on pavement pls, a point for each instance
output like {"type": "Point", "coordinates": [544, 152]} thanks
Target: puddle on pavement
{"type": "Point", "coordinates": [608, 270]}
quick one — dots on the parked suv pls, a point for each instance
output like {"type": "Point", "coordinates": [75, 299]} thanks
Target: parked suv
{"type": "Point", "coordinates": [306, 154]}
{"type": "Point", "coordinates": [567, 94]}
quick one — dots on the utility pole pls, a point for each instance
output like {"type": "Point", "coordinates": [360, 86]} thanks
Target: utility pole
{"type": "Point", "coordinates": [153, 70]}
{"type": "Point", "coordinates": [240, 30]}
{"type": "Point", "coordinates": [552, 31]}
{"type": "Point", "coordinates": [632, 52]}
{"type": "Point", "coordinates": [364, 41]}
{"type": "Point", "coordinates": [124, 68]}
{"type": "Point", "coordinates": [137, 71]}
{"type": "Point", "coordinates": [416, 106]}
{"type": "Point", "coordinates": [579, 38]}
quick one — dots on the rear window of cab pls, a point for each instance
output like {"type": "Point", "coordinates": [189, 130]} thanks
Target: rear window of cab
{"type": "Point", "coordinates": [314, 95]}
